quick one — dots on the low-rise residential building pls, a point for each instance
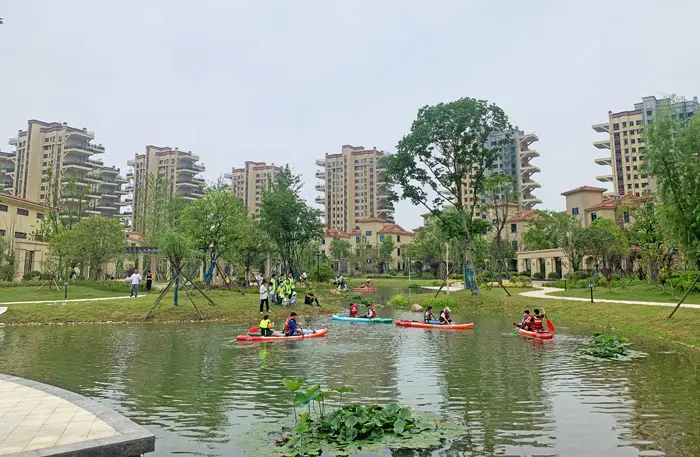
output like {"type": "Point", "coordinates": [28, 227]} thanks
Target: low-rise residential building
{"type": "Point", "coordinates": [249, 183]}
{"type": "Point", "coordinates": [20, 219]}
{"type": "Point", "coordinates": [372, 231]}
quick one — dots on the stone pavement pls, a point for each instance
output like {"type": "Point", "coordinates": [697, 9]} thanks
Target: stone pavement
{"type": "Point", "coordinates": [40, 420]}
{"type": "Point", "coordinates": [542, 293]}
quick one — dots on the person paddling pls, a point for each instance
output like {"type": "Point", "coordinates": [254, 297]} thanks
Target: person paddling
{"type": "Point", "coordinates": [353, 310]}
{"type": "Point", "coordinates": [428, 317]}
{"type": "Point", "coordinates": [371, 312]}
{"type": "Point", "coordinates": [266, 326]}
{"type": "Point", "coordinates": [445, 318]}
{"type": "Point", "coordinates": [290, 325]}
{"type": "Point", "coordinates": [537, 321]}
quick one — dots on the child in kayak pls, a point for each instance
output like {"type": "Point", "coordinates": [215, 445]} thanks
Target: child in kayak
{"type": "Point", "coordinates": [536, 322]}
{"type": "Point", "coordinates": [291, 326]}
{"type": "Point", "coordinates": [265, 326]}
{"type": "Point", "coordinates": [526, 323]}
{"type": "Point", "coordinates": [353, 310]}
{"type": "Point", "coordinates": [445, 318]}
{"type": "Point", "coordinates": [371, 312]}
{"type": "Point", "coordinates": [428, 317]}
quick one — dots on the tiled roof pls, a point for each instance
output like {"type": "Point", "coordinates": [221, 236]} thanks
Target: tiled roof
{"type": "Point", "coordinates": [371, 219]}
{"type": "Point", "coordinates": [134, 237]}
{"type": "Point", "coordinates": [333, 233]}
{"type": "Point", "coordinates": [22, 200]}
{"type": "Point", "coordinates": [526, 215]}
{"type": "Point", "coordinates": [428, 214]}
{"type": "Point", "coordinates": [584, 189]}
{"type": "Point", "coordinates": [607, 203]}
{"type": "Point", "coordinates": [395, 229]}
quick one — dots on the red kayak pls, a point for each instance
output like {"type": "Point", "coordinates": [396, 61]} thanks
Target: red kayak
{"type": "Point", "coordinates": [436, 326]}
{"type": "Point", "coordinates": [541, 335]}
{"type": "Point", "coordinates": [316, 334]}
{"type": "Point", "coordinates": [364, 289]}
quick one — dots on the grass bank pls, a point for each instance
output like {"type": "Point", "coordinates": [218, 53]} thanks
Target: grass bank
{"type": "Point", "coordinates": [32, 293]}
{"type": "Point", "coordinates": [648, 321]}
{"type": "Point", "coordinates": [639, 292]}
{"type": "Point", "coordinates": [229, 306]}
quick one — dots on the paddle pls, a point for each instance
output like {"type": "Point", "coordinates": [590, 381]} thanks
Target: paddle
{"type": "Point", "coordinates": [550, 326]}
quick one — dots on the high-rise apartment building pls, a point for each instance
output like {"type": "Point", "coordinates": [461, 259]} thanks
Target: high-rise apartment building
{"type": "Point", "coordinates": [514, 160]}
{"type": "Point", "coordinates": [625, 145]}
{"type": "Point", "coordinates": [248, 183]}
{"type": "Point", "coordinates": [56, 150]}
{"type": "Point", "coordinates": [7, 172]}
{"type": "Point", "coordinates": [354, 187]}
{"type": "Point", "coordinates": [178, 169]}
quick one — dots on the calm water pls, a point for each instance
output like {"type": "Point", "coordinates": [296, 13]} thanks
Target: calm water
{"type": "Point", "coordinates": [199, 391]}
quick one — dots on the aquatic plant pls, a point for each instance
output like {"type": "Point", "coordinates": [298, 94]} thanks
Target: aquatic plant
{"type": "Point", "coordinates": [606, 346]}
{"type": "Point", "coordinates": [399, 300]}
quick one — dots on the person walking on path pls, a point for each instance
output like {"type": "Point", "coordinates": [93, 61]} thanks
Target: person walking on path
{"type": "Point", "coordinates": [149, 281]}
{"type": "Point", "coordinates": [135, 280]}
{"type": "Point", "coordinates": [264, 297]}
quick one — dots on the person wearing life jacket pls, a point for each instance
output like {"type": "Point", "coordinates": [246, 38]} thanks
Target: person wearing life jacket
{"type": "Point", "coordinates": [353, 310]}
{"type": "Point", "coordinates": [526, 323]}
{"type": "Point", "coordinates": [445, 318]}
{"type": "Point", "coordinates": [290, 325]}
{"type": "Point", "coordinates": [371, 312]}
{"type": "Point", "coordinates": [273, 288]}
{"type": "Point", "coordinates": [537, 321]}
{"type": "Point", "coordinates": [291, 283]}
{"type": "Point", "coordinates": [428, 317]}
{"type": "Point", "coordinates": [265, 326]}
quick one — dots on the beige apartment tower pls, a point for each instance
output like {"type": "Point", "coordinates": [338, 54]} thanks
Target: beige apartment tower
{"type": "Point", "coordinates": [7, 172]}
{"type": "Point", "coordinates": [354, 187]}
{"type": "Point", "coordinates": [179, 170]}
{"type": "Point", "coordinates": [624, 145]}
{"type": "Point", "coordinates": [248, 183]}
{"type": "Point", "coordinates": [66, 153]}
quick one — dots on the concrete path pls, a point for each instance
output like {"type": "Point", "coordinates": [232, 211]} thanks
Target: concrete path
{"type": "Point", "coordinates": [542, 293]}
{"type": "Point", "coordinates": [76, 300]}
{"type": "Point", "coordinates": [36, 419]}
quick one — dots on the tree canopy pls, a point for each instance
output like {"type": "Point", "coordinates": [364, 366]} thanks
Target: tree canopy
{"type": "Point", "coordinates": [607, 244]}
{"type": "Point", "coordinates": [552, 230]}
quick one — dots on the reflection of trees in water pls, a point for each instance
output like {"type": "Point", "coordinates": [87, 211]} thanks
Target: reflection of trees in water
{"type": "Point", "coordinates": [494, 383]}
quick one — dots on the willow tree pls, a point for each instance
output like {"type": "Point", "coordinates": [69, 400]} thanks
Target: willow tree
{"type": "Point", "coordinates": [445, 161]}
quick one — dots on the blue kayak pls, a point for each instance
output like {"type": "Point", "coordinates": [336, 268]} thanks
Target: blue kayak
{"type": "Point", "coordinates": [376, 320]}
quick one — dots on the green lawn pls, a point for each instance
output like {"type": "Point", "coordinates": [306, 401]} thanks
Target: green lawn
{"type": "Point", "coordinates": [643, 320]}
{"type": "Point", "coordinates": [14, 294]}
{"type": "Point", "coordinates": [638, 292]}
{"type": "Point", "coordinates": [228, 306]}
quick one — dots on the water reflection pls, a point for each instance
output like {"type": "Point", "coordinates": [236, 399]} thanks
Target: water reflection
{"type": "Point", "coordinates": [199, 391]}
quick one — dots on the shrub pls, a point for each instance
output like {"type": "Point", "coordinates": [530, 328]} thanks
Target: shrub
{"type": "Point", "coordinates": [538, 275]}
{"type": "Point", "coordinates": [457, 277]}
{"type": "Point", "coordinates": [524, 273]}
{"type": "Point", "coordinates": [4, 284]}
{"type": "Point", "coordinates": [7, 272]}
{"type": "Point", "coordinates": [119, 286]}
{"type": "Point", "coordinates": [577, 275]}
{"type": "Point", "coordinates": [553, 275]}
{"type": "Point", "coordinates": [399, 300]}
{"type": "Point", "coordinates": [436, 282]}
{"type": "Point", "coordinates": [440, 302]}
{"type": "Point", "coordinates": [31, 276]}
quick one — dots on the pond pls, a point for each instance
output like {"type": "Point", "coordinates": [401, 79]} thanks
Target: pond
{"type": "Point", "coordinates": [199, 391]}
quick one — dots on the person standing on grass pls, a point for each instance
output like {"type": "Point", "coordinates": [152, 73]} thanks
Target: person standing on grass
{"type": "Point", "coordinates": [149, 281]}
{"type": "Point", "coordinates": [264, 298]}
{"type": "Point", "coordinates": [135, 280]}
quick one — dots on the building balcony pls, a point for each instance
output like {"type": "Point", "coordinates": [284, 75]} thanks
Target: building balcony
{"type": "Point", "coordinates": [321, 162]}
{"type": "Point", "coordinates": [320, 200]}
{"type": "Point", "coordinates": [76, 149]}
{"type": "Point", "coordinates": [604, 178]}
{"type": "Point", "coordinates": [607, 161]}
{"type": "Point", "coordinates": [531, 185]}
{"type": "Point", "coordinates": [602, 144]}
{"type": "Point", "coordinates": [320, 187]}
{"type": "Point", "coordinates": [127, 200]}
{"type": "Point", "coordinates": [228, 176]}
{"type": "Point", "coordinates": [8, 170]}
{"type": "Point", "coordinates": [83, 133]}
{"type": "Point", "coordinates": [528, 154]}
{"type": "Point", "coordinates": [14, 140]}
{"type": "Point", "coordinates": [121, 179]}
{"type": "Point", "coordinates": [131, 163]}
{"type": "Point", "coordinates": [186, 184]}
{"type": "Point", "coordinates": [527, 139]}
{"type": "Point", "coordinates": [129, 175]}
{"type": "Point", "coordinates": [93, 211]}
{"type": "Point", "coordinates": [93, 178]}
{"type": "Point", "coordinates": [127, 212]}
{"type": "Point", "coordinates": [530, 169]}
{"type": "Point", "coordinates": [321, 174]}
{"type": "Point", "coordinates": [188, 197]}
{"type": "Point", "coordinates": [107, 207]}
{"type": "Point", "coordinates": [77, 165]}
{"type": "Point", "coordinates": [192, 168]}
{"type": "Point", "coordinates": [385, 209]}
{"type": "Point", "coordinates": [530, 201]}
{"type": "Point", "coordinates": [128, 188]}
{"type": "Point", "coordinates": [602, 128]}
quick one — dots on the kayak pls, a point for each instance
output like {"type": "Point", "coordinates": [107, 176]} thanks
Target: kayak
{"type": "Point", "coordinates": [3, 309]}
{"type": "Point", "coordinates": [540, 335]}
{"type": "Point", "coordinates": [376, 320]}
{"type": "Point", "coordinates": [364, 289]}
{"type": "Point", "coordinates": [435, 326]}
{"type": "Point", "coordinates": [311, 334]}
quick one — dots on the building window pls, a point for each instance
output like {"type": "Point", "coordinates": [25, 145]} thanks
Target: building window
{"type": "Point", "coordinates": [21, 235]}
{"type": "Point", "coordinates": [574, 211]}
{"type": "Point", "coordinates": [513, 228]}
{"type": "Point", "coordinates": [381, 237]}
{"type": "Point", "coordinates": [22, 212]}
{"type": "Point", "coordinates": [626, 217]}
{"type": "Point", "coordinates": [514, 245]}
{"type": "Point", "coordinates": [357, 239]}
{"type": "Point", "coordinates": [616, 126]}
{"type": "Point", "coordinates": [594, 216]}
{"type": "Point", "coordinates": [368, 233]}
{"type": "Point", "coordinates": [3, 208]}
{"type": "Point", "coordinates": [323, 241]}
{"type": "Point", "coordinates": [2, 232]}
{"type": "Point", "coordinates": [39, 215]}
{"type": "Point", "coordinates": [398, 238]}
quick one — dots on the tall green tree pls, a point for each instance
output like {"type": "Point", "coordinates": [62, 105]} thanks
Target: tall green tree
{"type": "Point", "coordinates": [251, 249]}
{"type": "Point", "coordinates": [156, 208]}
{"type": "Point", "coordinates": [288, 220]}
{"type": "Point", "coordinates": [445, 160]}
{"type": "Point", "coordinates": [340, 250]}
{"type": "Point", "coordinates": [645, 234]}
{"type": "Point", "coordinates": [501, 192]}
{"type": "Point", "coordinates": [216, 223]}
{"type": "Point", "coordinates": [552, 230]}
{"type": "Point", "coordinates": [385, 252]}
{"type": "Point", "coordinates": [607, 244]}
{"type": "Point", "coordinates": [179, 248]}
{"type": "Point", "coordinates": [92, 242]}
{"type": "Point", "coordinates": [672, 157]}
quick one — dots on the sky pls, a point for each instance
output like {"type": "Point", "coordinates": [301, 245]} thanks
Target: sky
{"type": "Point", "coordinates": [288, 81]}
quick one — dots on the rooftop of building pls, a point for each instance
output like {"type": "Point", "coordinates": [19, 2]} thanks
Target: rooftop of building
{"type": "Point", "coordinates": [526, 215]}
{"type": "Point", "coordinates": [394, 229]}
{"type": "Point", "coordinates": [584, 189]}
{"type": "Point", "coordinates": [371, 219]}
{"type": "Point", "coordinates": [18, 201]}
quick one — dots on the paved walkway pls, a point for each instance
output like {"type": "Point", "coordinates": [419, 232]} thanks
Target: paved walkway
{"type": "Point", "coordinates": [76, 300]}
{"type": "Point", "coordinates": [542, 293]}
{"type": "Point", "coordinates": [34, 416]}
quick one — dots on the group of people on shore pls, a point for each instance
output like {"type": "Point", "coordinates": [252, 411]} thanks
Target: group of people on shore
{"type": "Point", "coordinates": [444, 319]}
{"type": "Point", "coordinates": [282, 291]}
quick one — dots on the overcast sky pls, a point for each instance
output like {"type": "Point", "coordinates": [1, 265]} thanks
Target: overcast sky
{"type": "Point", "coordinates": [287, 81]}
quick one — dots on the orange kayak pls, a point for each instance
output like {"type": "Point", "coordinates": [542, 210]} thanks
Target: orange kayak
{"type": "Point", "coordinates": [316, 334]}
{"type": "Point", "coordinates": [364, 289]}
{"type": "Point", "coordinates": [540, 335]}
{"type": "Point", "coordinates": [436, 326]}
